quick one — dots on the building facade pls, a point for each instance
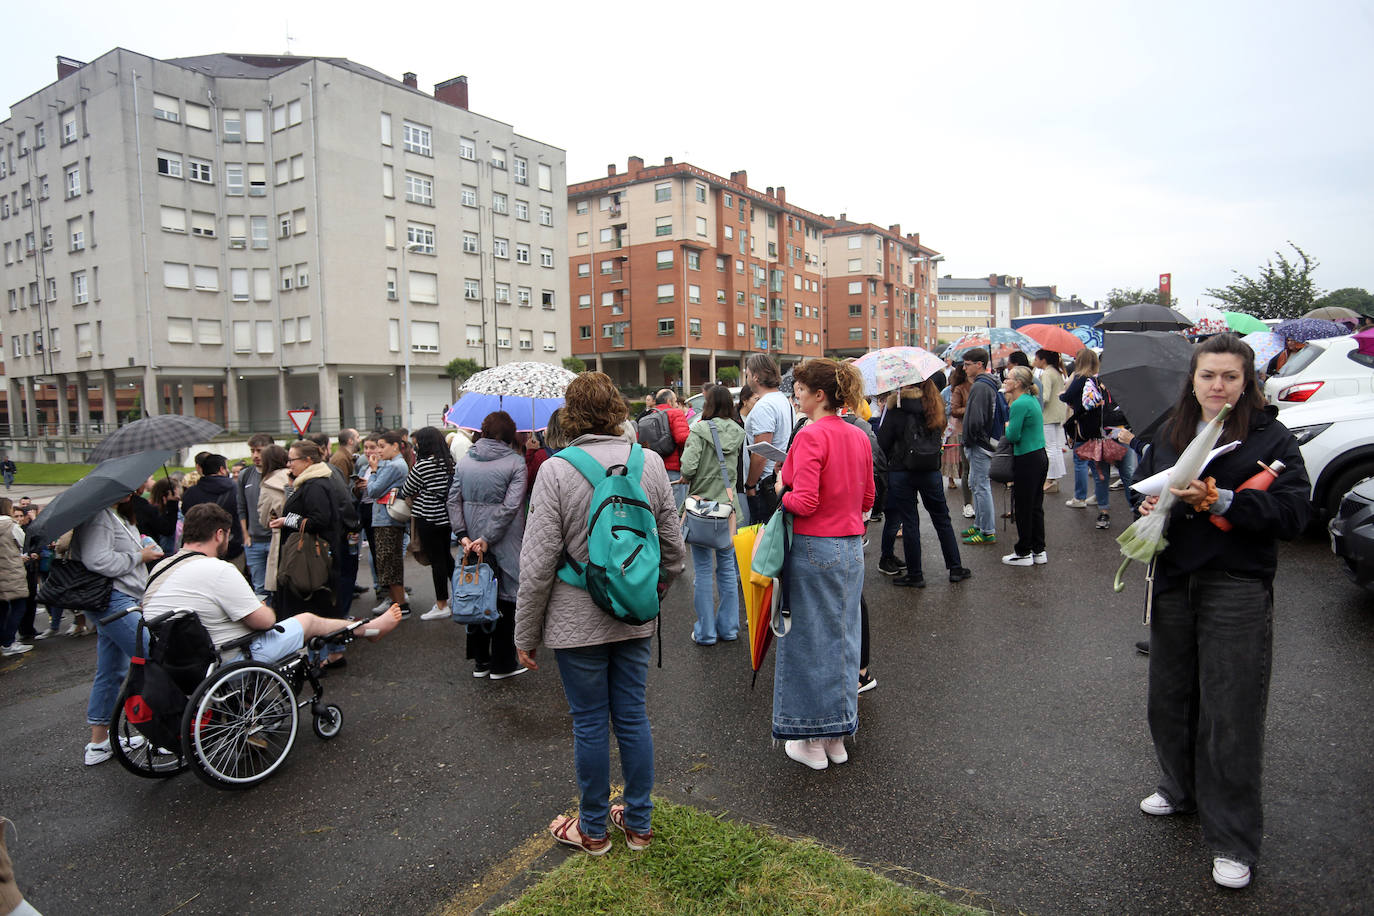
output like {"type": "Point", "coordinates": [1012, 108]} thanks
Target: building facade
{"type": "Point", "coordinates": [974, 304]}
{"type": "Point", "coordinates": [240, 235]}
{"type": "Point", "coordinates": [880, 289]}
{"type": "Point", "coordinates": [673, 259]}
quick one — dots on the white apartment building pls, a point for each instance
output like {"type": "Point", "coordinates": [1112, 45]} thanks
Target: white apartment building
{"type": "Point", "coordinates": [239, 235]}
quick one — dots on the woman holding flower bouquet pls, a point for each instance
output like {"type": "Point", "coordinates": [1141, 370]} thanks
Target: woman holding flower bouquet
{"type": "Point", "coordinates": [1211, 630]}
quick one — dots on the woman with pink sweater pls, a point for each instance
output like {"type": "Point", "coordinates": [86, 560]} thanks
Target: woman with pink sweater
{"type": "Point", "coordinates": [826, 485]}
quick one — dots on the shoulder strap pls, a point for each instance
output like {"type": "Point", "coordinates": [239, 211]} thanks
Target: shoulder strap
{"type": "Point", "coordinates": [586, 465]}
{"type": "Point", "coordinates": [634, 463]}
{"type": "Point", "coordinates": [162, 568]}
{"type": "Point", "coordinates": [720, 458]}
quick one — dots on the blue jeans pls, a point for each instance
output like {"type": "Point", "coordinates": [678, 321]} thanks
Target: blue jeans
{"type": "Point", "coordinates": [255, 556]}
{"type": "Point", "coordinates": [1101, 475]}
{"type": "Point", "coordinates": [114, 646]}
{"type": "Point", "coordinates": [679, 487]}
{"type": "Point", "coordinates": [715, 620]}
{"type": "Point", "coordinates": [11, 612]}
{"type": "Point", "coordinates": [605, 684]}
{"type": "Point", "coordinates": [1211, 642]}
{"type": "Point", "coordinates": [902, 490]}
{"type": "Point", "coordinates": [984, 513]}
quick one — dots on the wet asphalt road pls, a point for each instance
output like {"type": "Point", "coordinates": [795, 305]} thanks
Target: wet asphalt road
{"type": "Point", "coordinates": [1003, 754]}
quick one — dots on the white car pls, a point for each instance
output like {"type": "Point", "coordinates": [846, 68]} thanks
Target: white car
{"type": "Point", "coordinates": [1330, 368]}
{"type": "Point", "coordinates": [1336, 437]}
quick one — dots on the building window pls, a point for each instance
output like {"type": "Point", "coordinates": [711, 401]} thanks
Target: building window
{"type": "Point", "coordinates": [522, 253]}
{"type": "Point", "coordinates": [694, 327]}
{"type": "Point", "coordinates": [73, 175]}
{"type": "Point", "coordinates": [420, 237]}
{"type": "Point", "coordinates": [522, 210]}
{"type": "Point", "coordinates": [545, 257]}
{"type": "Point", "coordinates": [207, 279]}
{"type": "Point", "coordinates": [419, 189]}
{"type": "Point", "coordinates": [546, 299]}
{"type": "Point", "coordinates": [520, 169]}
{"type": "Point", "coordinates": [545, 177]}
{"type": "Point", "coordinates": [168, 164]}
{"type": "Point", "coordinates": [855, 265]}
{"type": "Point", "coordinates": [546, 216]}
{"type": "Point", "coordinates": [238, 284]}
{"type": "Point", "coordinates": [665, 292]}
{"type": "Point", "coordinates": [694, 294]}
{"type": "Point", "coordinates": [166, 108]}
{"type": "Point", "coordinates": [200, 170]}
{"type": "Point", "coordinates": [258, 227]}
{"type": "Point", "coordinates": [584, 301]}
{"type": "Point", "coordinates": [473, 335]}
{"type": "Point", "coordinates": [855, 242]}
{"type": "Point", "coordinates": [694, 260]}
{"type": "Point", "coordinates": [524, 297]}
{"type": "Point", "coordinates": [584, 332]}
{"type": "Point", "coordinates": [471, 243]}
{"type": "Point", "coordinates": [498, 161]}
{"type": "Point", "coordinates": [663, 191]}
{"type": "Point", "coordinates": [415, 138]}
{"type": "Point", "coordinates": [391, 283]}
{"type": "Point", "coordinates": [68, 119]}
{"type": "Point", "coordinates": [583, 207]}
{"type": "Point", "coordinates": [856, 333]}
{"type": "Point", "coordinates": [257, 180]}
{"type": "Point", "coordinates": [526, 340]}
{"type": "Point", "coordinates": [666, 326]}
{"type": "Point", "coordinates": [664, 259]}
{"type": "Point", "coordinates": [233, 180]}
{"type": "Point", "coordinates": [467, 148]}
{"type": "Point", "coordinates": [388, 181]}
{"type": "Point", "coordinates": [663, 225]}
{"type": "Point", "coordinates": [423, 288]}
{"type": "Point", "coordinates": [253, 129]}
{"type": "Point", "coordinates": [263, 332]}
{"type": "Point", "coordinates": [469, 196]}
{"type": "Point", "coordinates": [582, 240]}
{"type": "Point", "coordinates": [283, 225]}
{"type": "Point", "coordinates": [550, 341]}
{"type": "Point", "coordinates": [472, 289]}
{"type": "Point", "coordinates": [174, 276]}
{"type": "Point", "coordinates": [500, 248]}
{"type": "Point", "coordinates": [701, 226]}
{"type": "Point", "coordinates": [503, 293]}
{"type": "Point", "coordinates": [701, 193]}
{"type": "Point", "coordinates": [286, 281]}
{"type": "Point", "coordinates": [503, 337]}
{"type": "Point", "coordinates": [173, 220]}
{"type": "Point", "coordinates": [499, 202]}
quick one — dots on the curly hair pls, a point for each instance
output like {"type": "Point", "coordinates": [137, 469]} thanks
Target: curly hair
{"type": "Point", "coordinates": [592, 406]}
{"type": "Point", "coordinates": [839, 382]}
{"type": "Point", "coordinates": [500, 426]}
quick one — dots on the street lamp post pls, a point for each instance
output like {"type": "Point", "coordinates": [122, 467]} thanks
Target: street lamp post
{"type": "Point", "coordinates": [404, 281]}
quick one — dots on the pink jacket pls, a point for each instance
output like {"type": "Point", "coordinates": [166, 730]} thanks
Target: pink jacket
{"type": "Point", "coordinates": [830, 470]}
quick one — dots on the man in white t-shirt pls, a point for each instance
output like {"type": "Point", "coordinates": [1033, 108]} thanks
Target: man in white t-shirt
{"type": "Point", "coordinates": [198, 579]}
{"type": "Point", "coordinates": [771, 421]}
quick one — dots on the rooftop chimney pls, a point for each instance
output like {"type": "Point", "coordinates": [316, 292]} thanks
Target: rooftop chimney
{"type": "Point", "coordinates": [453, 92]}
{"type": "Point", "coordinates": [411, 80]}
{"type": "Point", "coordinates": [844, 217]}
{"type": "Point", "coordinates": [634, 166]}
{"type": "Point", "coordinates": [895, 228]}
{"type": "Point", "coordinates": [769, 190]}
{"type": "Point", "coordinates": [610, 170]}
{"type": "Point", "coordinates": [667, 160]}
{"type": "Point", "coordinates": [782, 194]}
{"type": "Point", "coordinates": [740, 177]}
{"type": "Point", "coordinates": [66, 66]}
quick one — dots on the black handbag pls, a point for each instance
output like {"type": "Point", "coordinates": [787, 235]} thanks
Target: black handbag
{"type": "Point", "coordinates": [73, 587]}
{"type": "Point", "coordinates": [1000, 470]}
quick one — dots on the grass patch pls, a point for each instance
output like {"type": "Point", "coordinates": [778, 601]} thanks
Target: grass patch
{"type": "Point", "coordinates": [700, 864]}
{"type": "Point", "coordinates": [52, 475]}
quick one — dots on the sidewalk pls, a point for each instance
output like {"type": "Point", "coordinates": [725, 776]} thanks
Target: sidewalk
{"type": "Point", "coordinates": [39, 493]}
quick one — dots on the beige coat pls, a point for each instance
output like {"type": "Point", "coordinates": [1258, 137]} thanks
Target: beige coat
{"type": "Point", "coordinates": [271, 498]}
{"type": "Point", "coordinates": [14, 584]}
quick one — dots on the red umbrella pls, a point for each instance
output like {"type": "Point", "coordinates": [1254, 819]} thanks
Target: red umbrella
{"type": "Point", "coordinates": [1052, 337]}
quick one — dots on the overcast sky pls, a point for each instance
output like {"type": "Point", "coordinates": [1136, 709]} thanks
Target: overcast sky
{"type": "Point", "coordinates": [1083, 144]}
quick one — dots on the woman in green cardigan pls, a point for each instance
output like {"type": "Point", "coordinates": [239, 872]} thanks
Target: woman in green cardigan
{"type": "Point", "coordinates": [1026, 430]}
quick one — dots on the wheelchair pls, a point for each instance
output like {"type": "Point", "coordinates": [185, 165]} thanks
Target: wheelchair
{"type": "Point", "coordinates": [239, 721]}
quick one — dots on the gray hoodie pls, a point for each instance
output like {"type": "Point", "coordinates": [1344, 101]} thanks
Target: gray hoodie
{"type": "Point", "coordinates": [486, 500]}
{"type": "Point", "coordinates": [110, 546]}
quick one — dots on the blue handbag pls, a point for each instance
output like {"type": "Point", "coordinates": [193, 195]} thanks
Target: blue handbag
{"type": "Point", "coordinates": [474, 595]}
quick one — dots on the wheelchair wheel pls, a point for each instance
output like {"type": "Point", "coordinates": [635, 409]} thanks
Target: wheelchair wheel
{"type": "Point", "coordinates": [239, 725]}
{"type": "Point", "coordinates": [136, 753]}
{"type": "Point", "coordinates": [328, 721]}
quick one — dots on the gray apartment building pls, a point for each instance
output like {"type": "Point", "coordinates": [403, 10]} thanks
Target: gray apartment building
{"type": "Point", "coordinates": [239, 235]}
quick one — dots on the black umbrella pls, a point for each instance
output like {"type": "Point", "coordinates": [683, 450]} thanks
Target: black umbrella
{"type": "Point", "coordinates": [1144, 316]}
{"type": "Point", "coordinates": [1145, 371]}
{"type": "Point", "coordinates": [104, 486]}
{"type": "Point", "coordinates": [164, 431]}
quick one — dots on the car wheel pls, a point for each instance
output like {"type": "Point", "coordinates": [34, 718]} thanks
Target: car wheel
{"type": "Point", "coordinates": [1343, 483]}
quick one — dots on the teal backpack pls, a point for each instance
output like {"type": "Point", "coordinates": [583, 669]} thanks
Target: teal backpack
{"type": "Point", "coordinates": [621, 573]}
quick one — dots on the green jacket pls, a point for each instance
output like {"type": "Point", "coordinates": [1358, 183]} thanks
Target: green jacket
{"type": "Point", "coordinates": [1026, 425]}
{"type": "Point", "coordinates": [701, 470]}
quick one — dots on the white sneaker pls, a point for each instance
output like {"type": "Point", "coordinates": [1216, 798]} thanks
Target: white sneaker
{"type": "Point", "coordinates": [968, 512]}
{"type": "Point", "coordinates": [50, 631]}
{"type": "Point", "coordinates": [1075, 503]}
{"type": "Point", "coordinates": [1091, 500]}
{"type": "Point", "coordinates": [99, 753]}
{"type": "Point", "coordinates": [834, 750]}
{"type": "Point", "coordinates": [1040, 558]}
{"type": "Point", "coordinates": [808, 753]}
{"type": "Point", "coordinates": [1229, 872]}
{"type": "Point", "coordinates": [1157, 805]}
{"type": "Point", "coordinates": [501, 677]}
{"type": "Point", "coordinates": [436, 613]}
{"type": "Point", "coordinates": [15, 648]}
{"type": "Point", "coordinates": [1016, 559]}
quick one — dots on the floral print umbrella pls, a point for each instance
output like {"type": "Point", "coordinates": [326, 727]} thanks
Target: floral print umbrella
{"type": "Point", "coordinates": [896, 367]}
{"type": "Point", "coordinates": [529, 392]}
{"type": "Point", "coordinates": [1206, 319]}
{"type": "Point", "coordinates": [1306, 329]}
{"type": "Point", "coordinates": [1266, 345]}
{"type": "Point", "coordinates": [999, 342]}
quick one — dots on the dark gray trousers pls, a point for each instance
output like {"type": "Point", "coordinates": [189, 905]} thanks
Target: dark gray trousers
{"type": "Point", "coordinates": [1211, 641]}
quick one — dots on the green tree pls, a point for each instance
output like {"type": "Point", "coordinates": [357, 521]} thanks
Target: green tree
{"type": "Point", "coordinates": [459, 370]}
{"type": "Point", "coordinates": [728, 375]}
{"type": "Point", "coordinates": [671, 366]}
{"type": "Point", "coordinates": [1350, 297]}
{"type": "Point", "coordinates": [574, 364]}
{"type": "Point", "coordinates": [1283, 289]}
{"type": "Point", "coordinates": [1119, 296]}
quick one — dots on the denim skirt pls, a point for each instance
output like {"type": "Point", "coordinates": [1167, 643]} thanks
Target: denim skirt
{"type": "Point", "coordinates": [816, 687]}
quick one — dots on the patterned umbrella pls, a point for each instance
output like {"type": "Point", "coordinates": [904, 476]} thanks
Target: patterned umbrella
{"type": "Point", "coordinates": [1207, 320]}
{"type": "Point", "coordinates": [1305, 329]}
{"type": "Point", "coordinates": [999, 342]}
{"type": "Point", "coordinates": [1090, 335]}
{"type": "Point", "coordinates": [1052, 337]}
{"type": "Point", "coordinates": [896, 367]}
{"type": "Point", "coordinates": [529, 392]}
{"type": "Point", "coordinates": [1243, 323]}
{"type": "Point", "coordinates": [1335, 313]}
{"type": "Point", "coordinates": [1266, 345]}
{"type": "Point", "coordinates": [166, 431]}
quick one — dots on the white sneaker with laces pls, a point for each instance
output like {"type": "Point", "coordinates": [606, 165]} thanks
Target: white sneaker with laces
{"type": "Point", "coordinates": [808, 753]}
{"type": "Point", "coordinates": [1075, 503]}
{"type": "Point", "coordinates": [968, 511]}
{"type": "Point", "coordinates": [1091, 500]}
{"type": "Point", "coordinates": [15, 648]}
{"type": "Point", "coordinates": [1229, 872]}
{"type": "Point", "coordinates": [50, 631]}
{"type": "Point", "coordinates": [1040, 558]}
{"type": "Point", "coordinates": [1016, 559]}
{"type": "Point", "coordinates": [436, 613]}
{"type": "Point", "coordinates": [1157, 805]}
{"type": "Point", "coordinates": [99, 753]}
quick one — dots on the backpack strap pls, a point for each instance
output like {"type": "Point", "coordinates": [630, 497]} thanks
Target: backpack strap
{"type": "Point", "coordinates": [720, 459]}
{"type": "Point", "coordinates": [571, 571]}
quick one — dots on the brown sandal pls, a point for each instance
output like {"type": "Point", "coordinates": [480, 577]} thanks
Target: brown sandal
{"type": "Point", "coordinates": [637, 842]}
{"type": "Point", "coordinates": [591, 846]}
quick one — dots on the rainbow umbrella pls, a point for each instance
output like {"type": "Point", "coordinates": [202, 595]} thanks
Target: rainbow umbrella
{"type": "Point", "coordinates": [999, 342]}
{"type": "Point", "coordinates": [758, 597]}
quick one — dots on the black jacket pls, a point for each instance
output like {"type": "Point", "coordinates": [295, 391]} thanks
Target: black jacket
{"type": "Point", "coordinates": [982, 395]}
{"type": "Point", "coordinates": [223, 492]}
{"type": "Point", "coordinates": [1260, 518]}
{"type": "Point", "coordinates": [892, 434]}
{"type": "Point", "coordinates": [316, 501]}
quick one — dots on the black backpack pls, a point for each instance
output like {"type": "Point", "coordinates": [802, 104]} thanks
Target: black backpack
{"type": "Point", "coordinates": [656, 432]}
{"type": "Point", "coordinates": [178, 656]}
{"type": "Point", "coordinates": [918, 449]}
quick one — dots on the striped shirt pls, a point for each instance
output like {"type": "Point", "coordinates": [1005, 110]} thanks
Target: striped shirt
{"type": "Point", "coordinates": [428, 483]}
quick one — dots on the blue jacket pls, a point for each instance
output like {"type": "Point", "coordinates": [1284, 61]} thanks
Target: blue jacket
{"type": "Point", "coordinates": [389, 474]}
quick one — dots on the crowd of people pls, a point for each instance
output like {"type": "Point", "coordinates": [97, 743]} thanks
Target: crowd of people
{"type": "Point", "coordinates": [812, 444]}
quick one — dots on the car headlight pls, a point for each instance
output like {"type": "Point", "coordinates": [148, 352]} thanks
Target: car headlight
{"type": "Point", "coordinates": [1305, 434]}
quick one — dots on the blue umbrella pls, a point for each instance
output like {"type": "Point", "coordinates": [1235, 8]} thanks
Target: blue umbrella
{"type": "Point", "coordinates": [529, 414]}
{"type": "Point", "coordinates": [1306, 329]}
{"type": "Point", "coordinates": [530, 392]}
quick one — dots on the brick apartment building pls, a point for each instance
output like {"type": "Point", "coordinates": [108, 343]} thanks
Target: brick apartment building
{"type": "Point", "coordinates": [977, 303]}
{"type": "Point", "coordinates": [676, 259]}
{"type": "Point", "coordinates": [879, 289]}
